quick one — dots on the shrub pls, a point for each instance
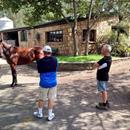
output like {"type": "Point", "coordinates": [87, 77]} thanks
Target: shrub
{"type": "Point", "coordinates": [119, 49]}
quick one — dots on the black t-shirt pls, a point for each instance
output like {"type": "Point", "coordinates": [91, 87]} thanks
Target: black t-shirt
{"type": "Point", "coordinates": [47, 64]}
{"type": "Point", "coordinates": [102, 74]}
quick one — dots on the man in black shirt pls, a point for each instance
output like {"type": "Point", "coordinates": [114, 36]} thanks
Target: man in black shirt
{"type": "Point", "coordinates": [103, 67]}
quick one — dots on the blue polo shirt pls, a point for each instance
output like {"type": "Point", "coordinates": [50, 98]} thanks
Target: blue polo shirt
{"type": "Point", "coordinates": [47, 68]}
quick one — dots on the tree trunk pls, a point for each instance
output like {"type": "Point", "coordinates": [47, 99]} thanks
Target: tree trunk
{"type": "Point", "coordinates": [75, 41]}
{"type": "Point", "coordinates": [88, 29]}
{"type": "Point", "coordinates": [118, 30]}
{"type": "Point", "coordinates": [117, 37]}
{"type": "Point", "coordinates": [73, 26]}
{"type": "Point", "coordinates": [74, 31]}
{"type": "Point", "coordinates": [87, 42]}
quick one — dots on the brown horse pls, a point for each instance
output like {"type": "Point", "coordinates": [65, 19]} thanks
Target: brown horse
{"type": "Point", "coordinates": [17, 56]}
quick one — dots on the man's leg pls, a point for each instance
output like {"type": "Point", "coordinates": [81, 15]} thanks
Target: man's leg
{"type": "Point", "coordinates": [50, 106]}
{"type": "Point", "coordinates": [39, 113]}
{"type": "Point", "coordinates": [102, 87]}
{"type": "Point", "coordinates": [40, 102]}
{"type": "Point", "coordinates": [40, 105]}
{"type": "Point", "coordinates": [104, 97]}
{"type": "Point", "coordinates": [51, 97]}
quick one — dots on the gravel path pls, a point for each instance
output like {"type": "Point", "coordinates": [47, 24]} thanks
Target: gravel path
{"type": "Point", "coordinates": [75, 106]}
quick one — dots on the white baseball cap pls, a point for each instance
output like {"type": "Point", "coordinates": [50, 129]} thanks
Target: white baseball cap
{"type": "Point", "coordinates": [47, 48]}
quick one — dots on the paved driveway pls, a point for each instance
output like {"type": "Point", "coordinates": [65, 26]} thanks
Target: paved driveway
{"type": "Point", "coordinates": [75, 107]}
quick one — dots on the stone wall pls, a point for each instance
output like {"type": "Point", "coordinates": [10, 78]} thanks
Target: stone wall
{"type": "Point", "coordinates": [78, 66]}
{"type": "Point", "coordinates": [75, 66]}
{"type": "Point", "coordinates": [65, 47]}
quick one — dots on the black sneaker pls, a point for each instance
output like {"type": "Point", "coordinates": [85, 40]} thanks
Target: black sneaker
{"type": "Point", "coordinates": [107, 103]}
{"type": "Point", "coordinates": [103, 106]}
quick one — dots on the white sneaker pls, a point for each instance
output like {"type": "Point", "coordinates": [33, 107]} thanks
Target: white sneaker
{"type": "Point", "coordinates": [51, 117]}
{"type": "Point", "coordinates": [38, 115]}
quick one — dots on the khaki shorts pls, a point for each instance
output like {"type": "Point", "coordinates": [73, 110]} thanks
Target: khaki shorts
{"type": "Point", "coordinates": [48, 93]}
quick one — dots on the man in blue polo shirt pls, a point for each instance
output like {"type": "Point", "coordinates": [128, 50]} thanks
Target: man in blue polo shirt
{"type": "Point", "coordinates": [47, 67]}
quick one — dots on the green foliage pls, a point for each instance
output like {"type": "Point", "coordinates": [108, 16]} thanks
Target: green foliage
{"type": "Point", "coordinates": [119, 8]}
{"type": "Point", "coordinates": [37, 11]}
{"type": "Point", "coordinates": [105, 38]}
{"type": "Point", "coordinates": [119, 39]}
{"type": "Point", "coordinates": [121, 28]}
{"type": "Point", "coordinates": [112, 38]}
{"type": "Point", "coordinates": [119, 49]}
{"type": "Point", "coordinates": [79, 58]}
{"type": "Point", "coordinates": [128, 50]}
{"type": "Point", "coordinates": [34, 11]}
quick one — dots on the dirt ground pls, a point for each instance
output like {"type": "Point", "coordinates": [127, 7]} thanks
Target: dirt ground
{"type": "Point", "coordinates": [75, 106]}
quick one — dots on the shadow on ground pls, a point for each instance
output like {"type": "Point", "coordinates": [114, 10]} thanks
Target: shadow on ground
{"type": "Point", "coordinates": [75, 108]}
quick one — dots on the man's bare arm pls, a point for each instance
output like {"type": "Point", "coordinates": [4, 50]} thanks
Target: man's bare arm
{"type": "Point", "coordinates": [96, 65]}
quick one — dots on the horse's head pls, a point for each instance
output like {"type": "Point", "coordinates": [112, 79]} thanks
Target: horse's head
{"type": "Point", "coordinates": [38, 51]}
{"type": "Point", "coordinates": [4, 48]}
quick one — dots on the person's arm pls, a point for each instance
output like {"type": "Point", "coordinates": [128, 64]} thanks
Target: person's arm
{"type": "Point", "coordinates": [55, 63]}
{"type": "Point", "coordinates": [104, 65]}
{"type": "Point", "coordinates": [38, 66]}
{"type": "Point", "coordinates": [96, 65]}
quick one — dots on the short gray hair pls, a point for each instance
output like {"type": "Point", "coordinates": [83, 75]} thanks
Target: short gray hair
{"type": "Point", "coordinates": [107, 47]}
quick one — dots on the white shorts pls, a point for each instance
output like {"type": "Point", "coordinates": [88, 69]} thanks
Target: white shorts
{"type": "Point", "coordinates": [48, 93]}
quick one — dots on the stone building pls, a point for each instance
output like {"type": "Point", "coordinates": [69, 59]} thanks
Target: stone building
{"type": "Point", "coordinates": [58, 34]}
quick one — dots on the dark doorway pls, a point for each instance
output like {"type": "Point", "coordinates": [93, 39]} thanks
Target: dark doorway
{"type": "Point", "coordinates": [11, 37]}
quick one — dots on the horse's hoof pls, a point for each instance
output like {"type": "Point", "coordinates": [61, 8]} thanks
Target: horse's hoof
{"type": "Point", "coordinates": [13, 85]}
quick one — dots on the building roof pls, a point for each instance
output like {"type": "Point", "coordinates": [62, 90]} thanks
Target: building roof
{"type": "Point", "coordinates": [5, 19]}
{"type": "Point", "coordinates": [50, 23]}
{"type": "Point", "coordinates": [16, 29]}
{"type": "Point", "coordinates": [58, 22]}
{"type": "Point", "coordinates": [6, 23]}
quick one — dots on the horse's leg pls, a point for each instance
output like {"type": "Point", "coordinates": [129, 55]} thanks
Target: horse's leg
{"type": "Point", "coordinates": [14, 75]}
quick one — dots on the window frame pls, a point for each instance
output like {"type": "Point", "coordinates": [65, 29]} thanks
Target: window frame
{"type": "Point", "coordinates": [54, 36]}
{"type": "Point", "coordinates": [91, 38]}
{"type": "Point", "coordinates": [23, 36]}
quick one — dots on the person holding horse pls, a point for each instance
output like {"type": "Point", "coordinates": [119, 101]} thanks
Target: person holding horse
{"type": "Point", "coordinates": [47, 67]}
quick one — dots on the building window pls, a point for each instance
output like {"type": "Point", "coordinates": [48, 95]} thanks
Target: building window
{"type": "Point", "coordinates": [38, 36]}
{"type": "Point", "coordinates": [23, 35]}
{"type": "Point", "coordinates": [92, 35]}
{"type": "Point", "coordinates": [54, 36]}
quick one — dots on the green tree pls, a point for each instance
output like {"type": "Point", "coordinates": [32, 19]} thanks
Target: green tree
{"type": "Point", "coordinates": [37, 11]}
{"type": "Point", "coordinates": [101, 8]}
{"type": "Point", "coordinates": [94, 13]}
{"type": "Point", "coordinates": [34, 11]}
{"type": "Point", "coordinates": [88, 27]}
{"type": "Point", "coordinates": [120, 9]}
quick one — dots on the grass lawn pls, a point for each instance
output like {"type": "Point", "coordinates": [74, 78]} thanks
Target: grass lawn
{"type": "Point", "coordinates": [93, 57]}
